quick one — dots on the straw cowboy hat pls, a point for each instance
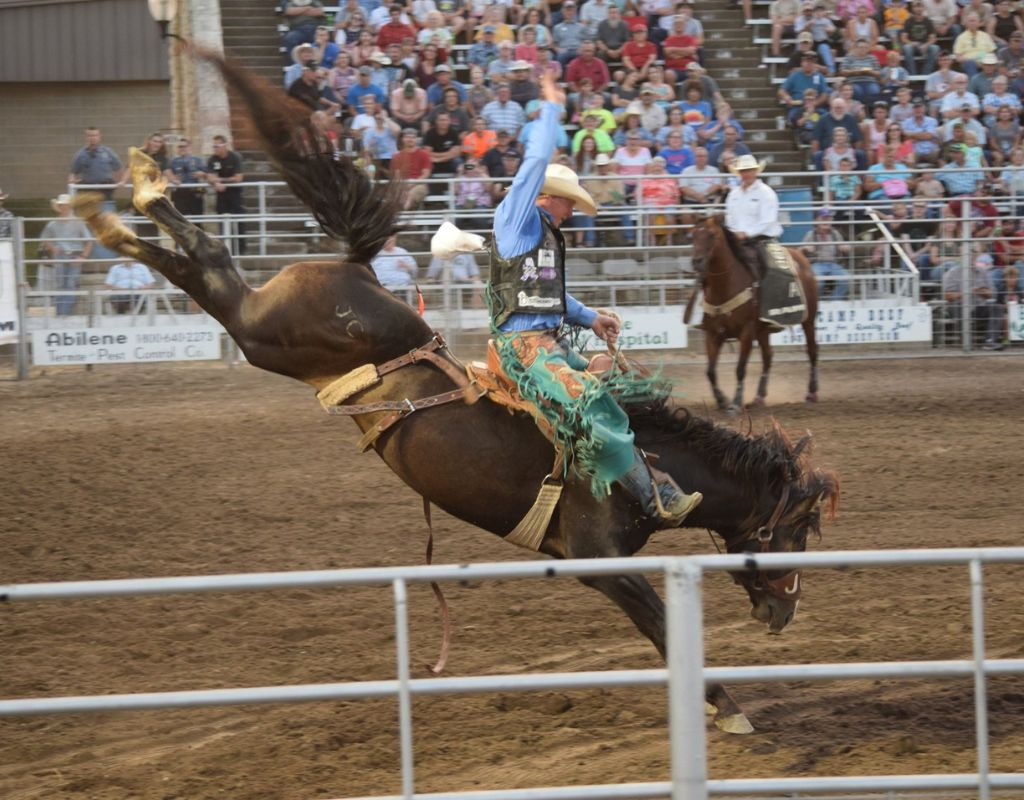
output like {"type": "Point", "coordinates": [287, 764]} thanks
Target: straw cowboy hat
{"type": "Point", "coordinates": [746, 162]}
{"type": "Point", "coordinates": [560, 181]}
{"type": "Point", "coordinates": [60, 200]}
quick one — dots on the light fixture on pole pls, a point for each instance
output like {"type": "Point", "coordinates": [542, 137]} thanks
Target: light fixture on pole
{"type": "Point", "coordinates": [164, 11]}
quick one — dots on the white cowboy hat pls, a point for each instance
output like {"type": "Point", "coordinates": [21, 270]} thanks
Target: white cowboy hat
{"type": "Point", "coordinates": [560, 181]}
{"type": "Point", "coordinates": [60, 200]}
{"type": "Point", "coordinates": [297, 48]}
{"type": "Point", "coordinates": [746, 162]}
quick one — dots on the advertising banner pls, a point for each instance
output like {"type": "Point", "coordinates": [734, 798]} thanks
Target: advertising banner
{"type": "Point", "coordinates": [657, 328]}
{"type": "Point", "coordinates": [8, 295]}
{"type": "Point", "coordinates": [125, 345]}
{"type": "Point", "coordinates": [864, 322]}
{"type": "Point", "coordinates": [1015, 316]}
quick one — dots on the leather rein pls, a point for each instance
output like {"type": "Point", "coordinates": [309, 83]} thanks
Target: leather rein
{"type": "Point", "coordinates": [788, 586]}
{"type": "Point", "coordinates": [430, 353]}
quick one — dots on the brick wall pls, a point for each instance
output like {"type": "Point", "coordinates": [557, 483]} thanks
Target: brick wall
{"type": "Point", "coordinates": [42, 127]}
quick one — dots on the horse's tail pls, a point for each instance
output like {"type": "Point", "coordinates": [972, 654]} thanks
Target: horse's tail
{"type": "Point", "coordinates": [346, 203]}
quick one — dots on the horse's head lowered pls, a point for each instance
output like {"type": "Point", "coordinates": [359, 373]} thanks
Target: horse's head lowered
{"type": "Point", "coordinates": [787, 515]}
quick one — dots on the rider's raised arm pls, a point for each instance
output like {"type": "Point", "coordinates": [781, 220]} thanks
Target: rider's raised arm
{"type": "Point", "coordinates": [517, 226]}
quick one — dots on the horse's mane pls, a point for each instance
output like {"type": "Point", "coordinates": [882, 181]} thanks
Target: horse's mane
{"type": "Point", "coordinates": [730, 238]}
{"type": "Point", "coordinates": [346, 203]}
{"type": "Point", "coordinates": [769, 460]}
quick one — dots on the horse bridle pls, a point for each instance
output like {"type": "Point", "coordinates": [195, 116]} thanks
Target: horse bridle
{"type": "Point", "coordinates": [788, 586]}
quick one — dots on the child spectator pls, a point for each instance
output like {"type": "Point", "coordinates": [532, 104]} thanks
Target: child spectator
{"type": "Point", "coordinates": [822, 247]}
{"type": "Point", "coordinates": [845, 188]}
{"type": "Point", "coordinates": [894, 18]}
{"type": "Point", "coordinates": [894, 77]}
{"type": "Point", "coordinates": [805, 119]}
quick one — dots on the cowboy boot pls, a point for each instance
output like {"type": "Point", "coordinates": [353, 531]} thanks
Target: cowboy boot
{"type": "Point", "coordinates": [660, 496]}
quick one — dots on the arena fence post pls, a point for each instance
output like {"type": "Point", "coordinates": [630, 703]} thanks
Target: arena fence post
{"type": "Point", "coordinates": [404, 694]}
{"type": "Point", "coordinates": [966, 280]}
{"type": "Point", "coordinates": [685, 656]}
{"type": "Point", "coordinates": [21, 278]}
{"type": "Point", "coordinates": [980, 697]}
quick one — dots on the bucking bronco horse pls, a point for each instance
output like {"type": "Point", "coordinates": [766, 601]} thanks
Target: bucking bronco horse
{"type": "Point", "coordinates": [732, 310]}
{"type": "Point", "coordinates": [331, 324]}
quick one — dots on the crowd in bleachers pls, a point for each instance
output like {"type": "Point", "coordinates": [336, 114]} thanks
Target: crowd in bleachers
{"type": "Point", "coordinates": [434, 90]}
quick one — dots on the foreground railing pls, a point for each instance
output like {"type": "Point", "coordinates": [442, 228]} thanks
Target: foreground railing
{"type": "Point", "coordinates": [685, 674]}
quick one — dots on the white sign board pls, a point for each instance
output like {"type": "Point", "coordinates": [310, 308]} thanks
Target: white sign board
{"type": "Point", "coordinates": [657, 328]}
{"type": "Point", "coordinates": [1015, 316]}
{"type": "Point", "coordinates": [124, 345]}
{"type": "Point", "coordinates": [8, 295]}
{"type": "Point", "coordinates": [864, 322]}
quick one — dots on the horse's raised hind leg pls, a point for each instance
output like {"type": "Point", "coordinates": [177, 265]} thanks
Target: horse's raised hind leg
{"type": "Point", "coordinates": [712, 346]}
{"type": "Point", "coordinates": [812, 356]}
{"type": "Point", "coordinates": [212, 280]}
{"type": "Point", "coordinates": [746, 344]}
{"type": "Point", "coordinates": [634, 595]}
{"type": "Point", "coordinates": [764, 342]}
{"type": "Point", "coordinates": [112, 233]}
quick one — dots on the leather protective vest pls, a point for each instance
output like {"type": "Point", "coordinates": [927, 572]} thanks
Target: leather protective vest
{"type": "Point", "coordinates": [531, 283]}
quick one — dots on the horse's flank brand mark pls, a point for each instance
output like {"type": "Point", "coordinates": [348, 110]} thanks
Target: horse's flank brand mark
{"type": "Point", "coordinates": [354, 327]}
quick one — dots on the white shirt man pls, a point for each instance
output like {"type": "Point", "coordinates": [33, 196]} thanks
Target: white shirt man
{"type": "Point", "coordinates": [752, 207]}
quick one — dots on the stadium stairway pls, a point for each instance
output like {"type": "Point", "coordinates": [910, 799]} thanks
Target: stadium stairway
{"type": "Point", "coordinates": [734, 61]}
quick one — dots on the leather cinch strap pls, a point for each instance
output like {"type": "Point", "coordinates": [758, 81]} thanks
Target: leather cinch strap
{"type": "Point", "coordinates": [717, 311]}
{"type": "Point", "coordinates": [400, 409]}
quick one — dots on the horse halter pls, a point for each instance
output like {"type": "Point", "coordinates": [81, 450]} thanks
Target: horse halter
{"type": "Point", "coordinates": [788, 586]}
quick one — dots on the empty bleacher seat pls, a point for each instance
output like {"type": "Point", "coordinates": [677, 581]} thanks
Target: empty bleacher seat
{"type": "Point", "coordinates": [620, 268]}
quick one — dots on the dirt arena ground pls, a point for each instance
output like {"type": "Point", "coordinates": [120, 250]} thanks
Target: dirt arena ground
{"type": "Point", "coordinates": [128, 472]}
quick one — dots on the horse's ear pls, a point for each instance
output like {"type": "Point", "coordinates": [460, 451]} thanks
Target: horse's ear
{"type": "Point", "coordinates": [803, 443]}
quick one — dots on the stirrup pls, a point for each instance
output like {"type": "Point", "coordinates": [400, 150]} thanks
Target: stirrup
{"type": "Point", "coordinates": [686, 502]}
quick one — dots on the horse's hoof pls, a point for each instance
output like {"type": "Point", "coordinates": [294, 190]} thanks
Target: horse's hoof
{"type": "Point", "coordinates": [709, 708]}
{"type": "Point", "coordinates": [732, 410]}
{"type": "Point", "coordinates": [812, 397]}
{"type": "Point", "coordinates": [734, 723]}
{"type": "Point", "coordinates": [149, 182]}
{"type": "Point", "coordinates": [757, 402]}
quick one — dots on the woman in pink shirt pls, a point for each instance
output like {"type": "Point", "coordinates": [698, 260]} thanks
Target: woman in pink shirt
{"type": "Point", "coordinates": [526, 50]}
{"type": "Point", "coordinates": [659, 189]}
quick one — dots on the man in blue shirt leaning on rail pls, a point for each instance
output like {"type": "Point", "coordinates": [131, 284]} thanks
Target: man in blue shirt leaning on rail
{"type": "Point", "coordinates": [528, 304]}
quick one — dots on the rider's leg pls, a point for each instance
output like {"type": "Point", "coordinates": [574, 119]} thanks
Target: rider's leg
{"type": "Point", "coordinates": [657, 492]}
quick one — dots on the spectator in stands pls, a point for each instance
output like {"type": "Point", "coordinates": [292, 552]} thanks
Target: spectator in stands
{"type": "Point", "coordinates": [473, 193]}
{"type": "Point", "coordinates": [568, 34]}
{"type": "Point", "coordinates": [590, 128]}
{"type": "Point", "coordinates": [535, 22]}
{"type": "Point", "coordinates": [943, 14]}
{"type": "Point", "coordinates": [547, 64]}
{"type": "Point", "coordinates": [985, 318]}
{"type": "Point", "coordinates": [730, 143]}
{"type": "Point", "coordinates": [639, 53]}
{"type": "Point", "coordinates": [918, 39]}
{"type": "Point", "coordinates": [664, 94]}
{"type": "Point", "coordinates": [303, 17]}
{"type": "Point", "coordinates": [626, 90]}
{"type": "Point", "coordinates": [380, 140]}
{"type": "Point", "coordinates": [363, 49]}
{"type": "Point", "coordinates": [527, 50]}
{"type": "Point", "coordinates": [972, 45]}
{"type": "Point", "coordinates": [434, 32]}
{"type": "Point", "coordinates": [522, 88]}
{"type": "Point", "coordinates": [492, 14]}
{"type": "Point", "coordinates": [712, 132]}
{"type": "Point", "coordinates": [709, 88]}
{"type": "Point", "coordinates": [187, 168]}
{"type": "Point", "coordinates": [903, 108]}
{"type": "Point", "coordinates": [608, 192]}
{"type": "Point", "coordinates": [412, 165]}
{"type": "Point", "coordinates": [999, 98]}
{"type": "Point", "coordinates": [920, 230]}
{"type": "Point", "coordinates": [840, 149]}
{"type": "Point", "coordinates": [483, 52]}
{"type": "Point", "coordinates": [677, 154]}
{"type": "Point", "coordinates": [612, 35]}
{"type": "Point", "coordinates": [957, 97]}
{"type": "Point", "coordinates": [861, 71]}
{"type": "Point", "coordinates": [806, 117]}
{"type": "Point", "coordinates": [676, 125]}
{"type": "Point", "coordinates": [1011, 181]}
{"type": "Point", "coordinates": [657, 189]}
{"type": "Point", "coordinates": [1011, 56]}
{"type": "Point", "coordinates": [845, 188]}
{"type": "Point", "coordinates": [980, 7]}
{"type": "Point", "coordinates": [904, 148]}
{"type": "Point", "coordinates": [68, 242]}
{"type": "Point", "coordinates": [97, 165]}
{"type": "Point", "coordinates": [893, 77]}
{"type": "Point", "coordinates": [442, 83]}
{"type": "Point", "coordinates": [848, 9]}
{"type": "Point", "coordinates": [426, 68]}
{"type": "Point", "coordinates": [889, 179]}
{"type": "Point", "coordinates": [822, 247]}
{"type": "Point", "coordinates": [861, 27]}
{"type": "Point", "coordinates": [409, 104]}
{"type": "Point", "coordinates": [1004, 136]}
{"type": "Point", "coordinates": [595, 108]}
{"type": "Point", "coordinates": [652, 116]}
{"type": "Point", "coordinates": [783, 14]}
{"type": "Point", "coordinates": [592, 14]}
{"type": "Point", "coordinates": [342, 76]}
{"type": "Point", "coordinates": [307, 90]}
{"type": "Point", "coordinates": [958, 182]}
{"type": "Point", "coordinates": [478, 94]}
{"type": "Point", "coordinates": [478, 141]}
{"type": "Point", "coordinates": [929, 188]}
{"type": "Point", "coordinates": [302, 54]}
{"type": "Point", "coordinates": [394, 30]}
{"type": "Point", "coordinates": [381, 74]}
{"type": "Point", "coordinates": [680, 50]}
{"type": "Point", "coordinates": [940, 82]}
{"type": "Point", "coordinates": [445, 149]}
{"type": "Point", "coordinates": [454, 15]}
{"type": "Point", "coordinates": [394, 267]}
{"type": "Point", "coordinates": [981, 82]}
{"type": "Point", "coordinates": [362, 88]}
{"type": "Point", "coordinates": [793, 89]}
{"type": "Point", "coordinates": [500, 69]}
{"type": "Point", "coordinates": [1003, 23]}
{"type": "Point", "coordinates": [510, 161]}
{"type": "Point", "coordinates": [462, 268]}
{"type": "Point", "coordinates": [700, 183]}
{"type": "Point", "coordinates": [127, 277]}
{"type": "Point", "coordinates": [587, 65]}
{"type": "Point", "coordinates": [968, 124]}
{"type": "Point", "coordinates": [982, 211]}
{"type": "Point", "coordinates": [224, 174]}
{"type": "Point", "coordinates": [894, 17]}
{"type": "Point", "coordinates": [874, 130]}
{"type": "Point", "coordinates": [326, 50]}
{"type": "Point", "coordinates": [492, 159]}
{"type": "Point", "coordinates": [155, 147]}
{"type": "Point", "coordinates": [632, 158]}
{"type": "Point", "coordinates": [630, 122]}
{"type": "Point", "coordinates": [348, 31]}
{"type": "Point", "coordinates": [805, 46]}
{"type": "Point", "coordinates": [504, 113]}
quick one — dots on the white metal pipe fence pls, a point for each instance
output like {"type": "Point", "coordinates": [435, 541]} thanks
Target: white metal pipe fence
{"type": "Point", "coordinates": [685, 674]}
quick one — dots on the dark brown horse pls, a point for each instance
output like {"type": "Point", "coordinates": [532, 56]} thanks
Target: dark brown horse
{"type": "Point", "coordinates": [731, 310]}
{"type": "Point", "coordinates": [317, 321]}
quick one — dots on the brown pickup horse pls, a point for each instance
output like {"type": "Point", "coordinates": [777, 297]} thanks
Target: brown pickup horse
{"type": "Point", "coordinates": [731, 310]}
{"type": "Point", "coordinates": [317, 321]}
